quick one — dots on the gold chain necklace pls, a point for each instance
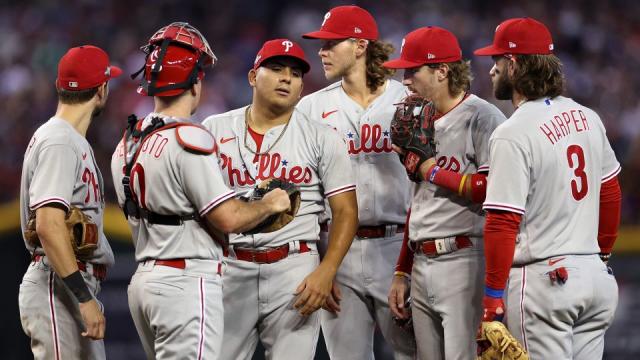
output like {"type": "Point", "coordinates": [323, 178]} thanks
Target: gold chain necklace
{"type": "Point", "coordinates": [247, 117]}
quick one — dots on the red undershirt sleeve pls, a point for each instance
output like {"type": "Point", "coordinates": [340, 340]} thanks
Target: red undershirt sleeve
{"type": "Point", "coordinates": [500, 231]}
{"type": "Point", "coordinates": [610, 203]}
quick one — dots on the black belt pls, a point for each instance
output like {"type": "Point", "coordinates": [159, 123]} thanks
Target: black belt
{"type": "Point", "coordinates": [172, 220]}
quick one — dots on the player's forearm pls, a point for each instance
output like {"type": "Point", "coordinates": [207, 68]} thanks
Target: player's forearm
{"type": "Point", "coordinates": [500, 232]}
{"type": "Point", "coordinates": [237, 216]}
{"type": "Point", "coordinates": [54, 238]}
{"type": "Point", "coordinates": [344, 225]}
{"type": "Point", "coordinates": [469, 186]}
{"type": "Point", "coordinates": [404, 265]}
{"type": "Point", "coordinates": [610, 204]}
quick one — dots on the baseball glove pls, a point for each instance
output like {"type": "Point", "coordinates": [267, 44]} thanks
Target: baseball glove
{"type": "Point", "coordinates": [412, 130]}
{"type": "Point", "coordinates": [83, 233]}
{"type": "Point", "coordinates": [497, 343]}
{"type": "Point", "coordinates": [276, 222]}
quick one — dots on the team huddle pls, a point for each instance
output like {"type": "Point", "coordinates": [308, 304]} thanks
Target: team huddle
{"type": "Point", "coordinates": [419, 208]}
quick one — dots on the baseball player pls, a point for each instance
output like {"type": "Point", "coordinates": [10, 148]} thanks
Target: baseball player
{"type": "Point", "coordinates": [58, 306]}
{"type": "Point", "coordinates": [275, 282]}
{"type": "Point", "coordinates": [553, 204]}
{"type": "Point", "coordinates": [445, 225]}
{"type": "Point", "coordinates": [177, 203]}
{"type": "Point", "coordinates": [360, 106]}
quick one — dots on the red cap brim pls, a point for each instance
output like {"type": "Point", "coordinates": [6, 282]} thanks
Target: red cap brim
{"type": "Point", "coordinates": [325, 35]}
{"type": "Point", "coordinates": [115, 72]}
{"type": "Point", "coordinates": [489, 51]}
{"type": "Point", "coordinates": [401, 64]}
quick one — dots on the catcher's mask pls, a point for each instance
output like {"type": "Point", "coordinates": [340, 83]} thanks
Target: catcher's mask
{"type": "Point", "coordinates": [177, 55]}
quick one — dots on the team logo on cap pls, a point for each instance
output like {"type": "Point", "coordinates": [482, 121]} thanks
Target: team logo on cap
{"type": "Point", "coordinates": [73, 84]}
{"type": "Point", "coordinates": [107, 71]}
{"type": "Point", "coordinates": [287, 45]}
{"type": "Point", "coordinates": [257, 59]}
{"type": "Point", "coordinates": [326, 17]}
{"type": "Point", "coordinates": [357, 30]}
{"type": "Point", "coordinates": [512, 45]}
{"type": "Point", "coordinates": [550, 46]}
{"type": "Point", "coordinates": [430, 56]}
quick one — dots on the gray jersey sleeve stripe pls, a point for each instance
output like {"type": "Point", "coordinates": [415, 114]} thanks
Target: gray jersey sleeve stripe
{"type": "Point", "coordinates": [483, 168]}
{"type": "Point", "coordinates": [505, 207]}
{"type": "Point", "coordinates": [48, 201]}
{"type": "Point", "coordinates": [217, 201]}
{"type": "Point", "coordinates": [340, 190]}
{"type": "Point", "coordinates": [611, 175]}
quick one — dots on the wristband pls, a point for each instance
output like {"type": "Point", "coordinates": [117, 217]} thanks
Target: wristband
{"type": "Point", "coordinates": [75, 283]}
{"type": "Point", "coordinates": [494, 293]}
{"type": "Point", "coordinates": [432, 175]}
{"type": "Point", "coordinates": [402, 274]}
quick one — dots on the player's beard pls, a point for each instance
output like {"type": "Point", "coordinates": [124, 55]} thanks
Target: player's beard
{"type": "Point", "coordinates": [503, 88]}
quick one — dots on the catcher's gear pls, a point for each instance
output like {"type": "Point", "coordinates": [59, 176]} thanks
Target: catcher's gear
{"type": "Point", "coordinates": [83, 233]}
{"type": "Point", "coordinates": [406, 324]}
{"type": "Point", "coordinates": [276, 221]}
{"type": "Point", "coordinates": [412, 129]}
{"type": "Point", "coordinates": [495, 342]}
{"type": "Point", "coordinates": [177, 55]}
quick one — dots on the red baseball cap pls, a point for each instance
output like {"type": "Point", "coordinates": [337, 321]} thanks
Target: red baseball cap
{"type": "Point", "coordinates": [85, 67]}
{"type": "Point", "coordinates": [525, 36]}
{"type": "Point", "coordinates": [345, 22]}
{"type": "Point", "coordinates": [426, 45]}
{"type": "Point", "coordinates": [281, 47]}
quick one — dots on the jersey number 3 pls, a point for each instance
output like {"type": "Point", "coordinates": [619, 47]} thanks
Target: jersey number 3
{"type": "Point", "coordinates": [575, 157]}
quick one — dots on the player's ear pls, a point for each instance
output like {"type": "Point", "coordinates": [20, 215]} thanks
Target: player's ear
{"type": "Point", "coordinates": [251, 76]}
{"type": "Point", "coordinates": [103, 91]}
{"type": "Point", "coordinates": [361, 47]}
{"type": "Point", "coordinates": [443, 71]}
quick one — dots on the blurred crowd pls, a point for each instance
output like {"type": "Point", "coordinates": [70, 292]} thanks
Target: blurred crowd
{"type": "Point", "coordinates": [598, 42]}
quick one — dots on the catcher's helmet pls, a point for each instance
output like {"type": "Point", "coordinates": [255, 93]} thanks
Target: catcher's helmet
{"type": "Point", "coordinates": [176, 57]}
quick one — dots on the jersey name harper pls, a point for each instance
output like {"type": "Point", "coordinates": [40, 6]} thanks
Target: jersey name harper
{"type": "Point", "coordinates": [563, 123]}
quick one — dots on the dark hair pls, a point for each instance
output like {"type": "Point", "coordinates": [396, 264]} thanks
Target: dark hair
{"type": "Point", "coordinates": [537, 76]}
{"type": "Point", "coordinates": [460, 76]}
{"type": "Point", "coordinates": [377, 53]}
{"type": "Point", "coordinates": [76, 97]}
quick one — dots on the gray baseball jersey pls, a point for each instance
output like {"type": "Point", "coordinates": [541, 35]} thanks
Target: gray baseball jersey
{"type": "Point", "coordinates": [367, 133]}
{"type": "Point", "coordinates": [462, 145]}
{"type": "Point", "coordinates": [169, 180]}
{"type": "Point", "coordinates": [552, 166]}
{"type": "Point", "coordinates": [307, 154]}
{"type": "Point", "coordinates": [383, 191]}
{"type": "Point", "coordinates": [59, 167]}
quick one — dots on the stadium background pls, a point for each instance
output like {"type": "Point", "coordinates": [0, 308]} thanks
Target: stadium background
{"type": "Point", "coordinates": [598, 41]}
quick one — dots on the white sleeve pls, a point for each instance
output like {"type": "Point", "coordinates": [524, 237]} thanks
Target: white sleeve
{"type": "Point", "coordinates": [54, 177]}
{"type": "Point", "coordinates": [610, 165]}
{"type": "Point", "coordinates": [203, 182]}
{"type": "Point", "coordinates": [508, 181]}
{"type": "Point", "coordinates": [334, 167]}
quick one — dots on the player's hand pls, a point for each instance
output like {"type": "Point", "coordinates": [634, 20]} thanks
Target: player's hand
{"type": "Point", "coordinates": [277, 200]}
{"type": "Point", "coordinates": [398, 294]}
{"type": "Point", "coordinates": [397, 149]}
{"type": "Point", "coordinates": [94, 321]}
{"type": "Point", "coordinates": [314, 290]}
{"type": "Point", "coordinates": [333, 301]}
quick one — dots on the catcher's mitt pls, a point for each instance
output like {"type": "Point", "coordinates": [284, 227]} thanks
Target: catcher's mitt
{"type": "Point", "coordinates": [412, 129]}
{"type": "Point", "coordinates": [83, 233]}
{"type": "Point", "coordinates": [277, 221]}
{"type": "Point", "coordinates": [497, 343]}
